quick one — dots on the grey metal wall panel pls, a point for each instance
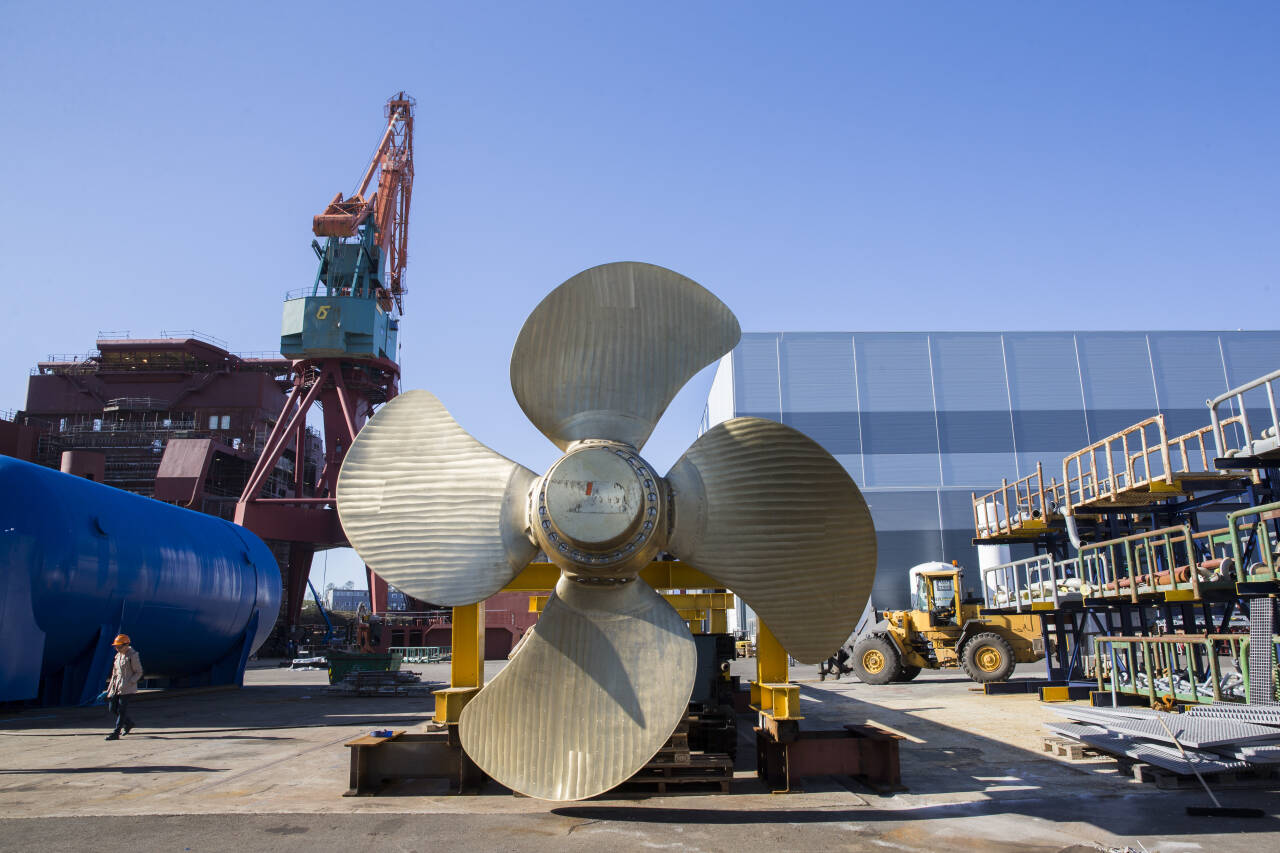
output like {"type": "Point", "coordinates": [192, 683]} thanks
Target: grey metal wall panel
{"type": "Point", "coordinates": [1044, 431]}
{"type": "Point", "coordinates": [1050, 460]}
{"type": "Point", "coordinates": [893, 373]}
{"type": "Point", "coordinates": [817, 373]}
{"type": "Point", "coordinates": [902, 469]}
{"type": "Point", "coordinates": [755, 376]}
{"type": "Point", "coordinates": [773, 415]}
{"type": "Point", "coordinates": [1182, 421]}
{"type": "Point", "coordinates": [1044, 384]}
{"type": "Point", "coordinates": [957, 545]}
{"type": "Point", "coordinates": [899, 432]}
{"type": "Point", "coordinates": [908, 432]}
{"type": "Point", "coordinates": [1250, 355]}
{"type": "Point", "coordinates": [1105, 422]}
{"type": "Point", "coordinates": [975, 431]}
{"type": "Point", "coordinates": [898, 551]}
{"type": "Point", "coordinates": [837, 432]}
{"type": "Point", "coordinates": [968, 372]}
{"type": "Point", "coordinates": [956, 506]}
{"type": "Point", "coordinates": [1043, 373]}
{"type": "Point", "coordinates": [1116, 370]}
{"type": "Point", "coordinates": [979, 471]}
{"type": "Point", "coordinates": [852, 462]}
{"type": "Point", "coordinates": [913, 463]}
{"type": "Point", "coordinates": [903, 510]}
{"type": "Point", "coordinates": [1188, 368]}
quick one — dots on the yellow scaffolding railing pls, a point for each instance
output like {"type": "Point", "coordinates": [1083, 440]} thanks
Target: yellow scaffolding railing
{"type": "Point", "coordinates": [1019, 507]}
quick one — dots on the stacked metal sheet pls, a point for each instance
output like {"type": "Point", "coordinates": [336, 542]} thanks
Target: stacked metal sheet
{"type": "Point", "coordinates": [1213, 738]}
{"type": "Point", "coordinates": [1262, 715]}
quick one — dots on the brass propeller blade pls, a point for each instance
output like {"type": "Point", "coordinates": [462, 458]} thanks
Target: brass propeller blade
{"type": "Point", "coordinates": [592, 695]}
{"type": "Point", "coordinates": [431, 510]}
{"type": "Point", "coordinates": [770, 514]}
{"type": "Point", "coordinates": [603, 354]}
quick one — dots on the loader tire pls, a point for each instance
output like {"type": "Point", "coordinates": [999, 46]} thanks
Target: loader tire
{"type": "Point", "coordinates": [988, 657]}
{"type": "Point", "coordinates": [908, 673]}
{"type": "Point", "coordinates": [876, 660]}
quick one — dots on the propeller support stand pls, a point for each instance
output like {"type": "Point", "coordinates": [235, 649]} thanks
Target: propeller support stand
{"type": "Point", "coordinates": [466, 666]}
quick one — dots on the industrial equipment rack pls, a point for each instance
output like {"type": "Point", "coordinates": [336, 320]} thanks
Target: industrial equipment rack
{"type": "Point", "coordinates": [1134, 507]}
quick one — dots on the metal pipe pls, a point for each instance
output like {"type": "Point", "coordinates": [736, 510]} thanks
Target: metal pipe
{"type": "Point", "coordinates": [1072, 531]}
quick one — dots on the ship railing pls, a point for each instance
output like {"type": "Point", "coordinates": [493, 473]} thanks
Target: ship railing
{"type": "Point", "coordinates": [1133, 458]}
{"type": "Point", "coordinates": [260, 355]}
{"type": "Point", "coordinates": [1163, 560]}
{"type": "Point", "coordinates": [71, 357]}
{"type": "Point", "coordinates": [1039, 580]}
{"type": "Point", "coordinates": [1253, 531]}
{"type": "Point", "coordinates": [136, 404]}
{"type": "Point", "coordinates": [1191, 453]}
{"type": "Point", "coordinates": [422, 654]}
{"type": "Point", "coordinates": [193, 334]}
{"type": "Point", "coordinates": [1018, 506]}
{"type": "Point", "coordinates": [1256, 436]}
{"type": "Point", "coordinates": [1188, 667]}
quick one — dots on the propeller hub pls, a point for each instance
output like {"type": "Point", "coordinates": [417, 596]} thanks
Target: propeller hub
{"type": "Point", "coordinates": [598, 507]}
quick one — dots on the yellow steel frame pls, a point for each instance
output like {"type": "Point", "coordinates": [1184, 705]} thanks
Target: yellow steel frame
{"type": "Point", "coordinates": [660, 574]}
{"type": "Point", "coordinates": [772, 692]}
{"type": "Point", "coordinates": [466, 673]}
{"type": "Point", "coordinates": [466, 670]}
{"type": "Point", "coordinates": [693, 607]}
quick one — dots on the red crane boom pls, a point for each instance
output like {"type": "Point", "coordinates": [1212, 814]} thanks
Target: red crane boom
{"type": "Point", "coordinates": [389, 204]}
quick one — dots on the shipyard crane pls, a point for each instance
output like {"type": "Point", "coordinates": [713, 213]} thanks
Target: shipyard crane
{"type": "Point", "coordinates": [341, 337]}
{"type": "Point", "coordinates": [363, 232]}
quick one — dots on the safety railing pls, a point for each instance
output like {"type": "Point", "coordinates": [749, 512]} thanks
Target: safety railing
{"type": "Point", "coordinates": [1187, 667]}
{"type": "Point", "coordinates": [1192, 453]}
{"type": "Point", "coordinates": [191, 334]}
{"type": "Point", "coordinates": [1259, 532]}
{"type": "Point", "coordinates": [1035, 580]}
{"type": "Point", "coordinates": [1164, 560]}
{"type": "Point", "coordinates": [1255, 438]}
{"type": "Point", "coordinates": [1134, 458]}
{"type": "Point", "coordinates": [1043, 583]}
{"type": "Point", "coordinates": [422, 654]}
{"type": "Point", "coordinates": [136, 404]}
{"type": "Point", "coordinates": [1018, 506]}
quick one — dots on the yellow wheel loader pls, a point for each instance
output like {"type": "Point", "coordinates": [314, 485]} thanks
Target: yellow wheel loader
{"type": "Point", "coordinates": [945, 629]}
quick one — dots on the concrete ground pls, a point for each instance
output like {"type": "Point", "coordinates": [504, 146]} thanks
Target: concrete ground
{"type": "Point", "coordinates": [263, 768]}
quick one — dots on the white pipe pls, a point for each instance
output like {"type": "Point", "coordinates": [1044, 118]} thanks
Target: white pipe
{"type": "Point", "coordinates": [1072, 532]}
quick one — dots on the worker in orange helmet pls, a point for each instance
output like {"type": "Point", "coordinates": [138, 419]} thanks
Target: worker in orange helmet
{"type": "Point", "coordinates": [126, 672]}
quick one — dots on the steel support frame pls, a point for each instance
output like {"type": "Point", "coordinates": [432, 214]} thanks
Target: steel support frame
{"type": "Point", "coordinates": [466, 667]}
{"type": "Point", "coordinates": [346, 391]}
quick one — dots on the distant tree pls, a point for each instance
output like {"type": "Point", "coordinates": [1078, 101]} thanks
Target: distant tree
{"type": "Point", "coordinates": [349, 585]}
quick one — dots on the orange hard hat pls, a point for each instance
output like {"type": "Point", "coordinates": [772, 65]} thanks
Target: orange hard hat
{"type": "Point", "coordinates": [121, 640]}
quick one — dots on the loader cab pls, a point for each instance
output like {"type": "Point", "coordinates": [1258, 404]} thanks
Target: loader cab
{"type": "Point", "coordinates": [937, 593]}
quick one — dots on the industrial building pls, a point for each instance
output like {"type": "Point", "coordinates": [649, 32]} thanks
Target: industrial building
{"type": "Point", "coordinates": [923, 420]}
{"type": "Point", "coordinates": [176, 417]}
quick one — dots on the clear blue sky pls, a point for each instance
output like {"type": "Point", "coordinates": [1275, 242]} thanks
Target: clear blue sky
{"type": "Point", "coordinates": [817, 165]}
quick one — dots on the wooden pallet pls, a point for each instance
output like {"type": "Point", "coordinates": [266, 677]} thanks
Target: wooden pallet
{"type": "Point", "coordinates": [1067, 748]}
{"type": "Point", "coordinates": [1167, 780]}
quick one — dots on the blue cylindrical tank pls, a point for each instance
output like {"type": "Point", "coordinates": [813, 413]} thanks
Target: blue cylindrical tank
{"type": "Point", "coordinates": [82, 561]}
